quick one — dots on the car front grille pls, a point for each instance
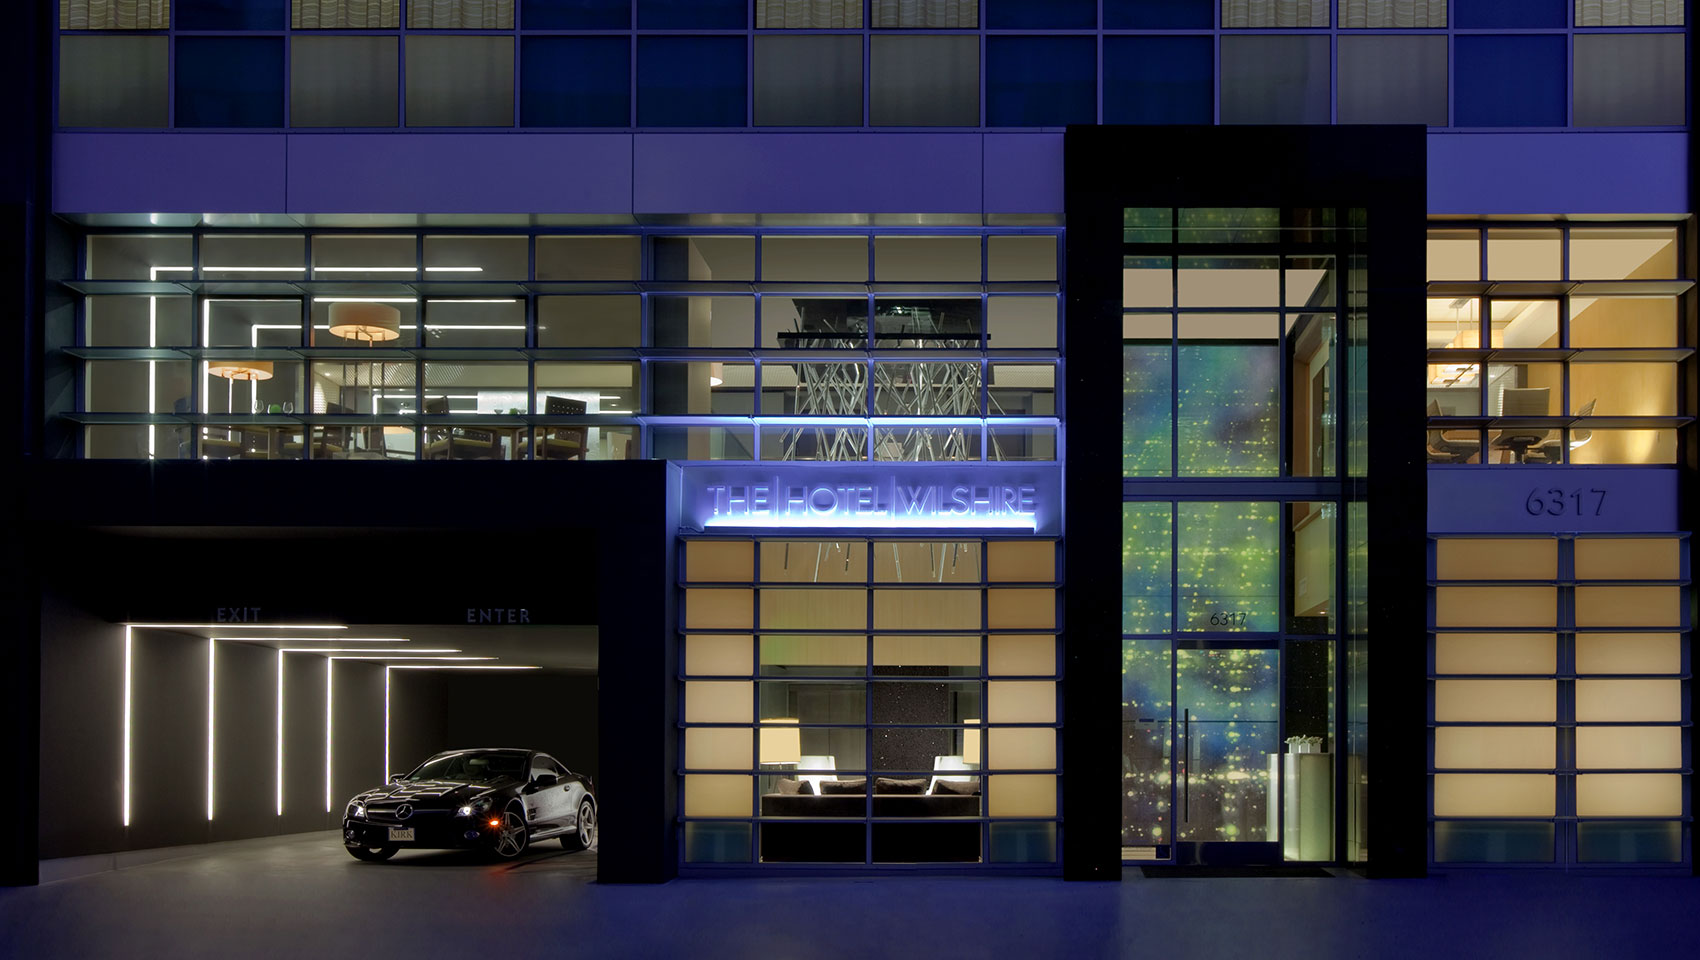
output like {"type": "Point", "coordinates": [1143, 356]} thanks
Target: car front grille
{"type": "Point", "coordinates": [386, 814]}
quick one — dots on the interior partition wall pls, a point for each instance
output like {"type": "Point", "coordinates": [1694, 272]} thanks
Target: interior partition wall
{"type": "Point", "coordinates": [1252, 303]}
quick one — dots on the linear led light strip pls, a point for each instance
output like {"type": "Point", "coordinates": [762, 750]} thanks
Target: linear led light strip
{"type": "Point", "coordinates": [212, 670]}
{"type": "Point", "coordinates": [154, 272]}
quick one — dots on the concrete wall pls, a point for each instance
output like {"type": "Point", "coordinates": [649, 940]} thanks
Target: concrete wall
{"type": "Point", "coordinates": [82, 738]}
{"type": "Point", "coordinates": [433, 711]}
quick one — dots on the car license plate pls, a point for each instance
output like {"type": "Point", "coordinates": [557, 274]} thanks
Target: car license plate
{"type": "Point", "coordinates": [401, 833]}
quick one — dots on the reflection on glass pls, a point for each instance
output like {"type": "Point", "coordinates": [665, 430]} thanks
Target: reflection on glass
{"type": "Point", "coordinates": [571, 389]}
{"type": "Point", "coordinates": [702, 321]}
{"type": "Point", "coordinates": [1147, 567]}
{"type": "Point", "coordinates": [1147, 414]}
{"type": "Point", "coordinates": [483, 388]}
{"type": "Point", "coordinates": [704, 258]}
{"type": "Point", "coordinates": [701, 387]}
{"type": "Point", "coordinates": [702, 443]}
{"type": "Point", "coordinates": [812, 655]}
{"type": "Point", "coordinates": [1229, 703]}
{"type": "Point", "coordinates": [812, 701]}
{"type": "Point", "coordinates": [1226, 566]}
{"type": "Point", "coordinates": [1021, 443]}
{"type": "Point", "coordinates": [814, 323]}
{"type": "Point", "coordinates": [477, 258]}
{"type": "Point", "coordinates": [937, 323]}
{"type": "Point", "coordinates": [1147, 224]}
{"type": "Point", "coordinates": [588, 321]}
{"type": "Point", "coordinates": [1146, 710]}
{"type": "Point", "coordinates": [1230, 224]}
{"type": "Point", "coordinates": [251, 322]}
{"type": "Point", "coordinates": [1310, 567]}
{"type": "Point", "coordinates": [1310, 282]}
{"type": "Point", "coordinates": [1454, 389]}
{"type": "Point", "coordinates": [252, 442]}
{"type": "Point", "coordinates": [126, 321]}
{"type": "Point", "coordinates": [1228, 401]}
{"type": "Point", "coordinates": [475, 323]}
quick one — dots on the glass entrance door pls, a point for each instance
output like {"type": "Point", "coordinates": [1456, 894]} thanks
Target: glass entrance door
{"type": "Point", "coordinates": [1228, 744]}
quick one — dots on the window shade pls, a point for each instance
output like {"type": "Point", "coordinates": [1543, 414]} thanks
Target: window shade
{"type": "Point", "coordinates": [118, 14]}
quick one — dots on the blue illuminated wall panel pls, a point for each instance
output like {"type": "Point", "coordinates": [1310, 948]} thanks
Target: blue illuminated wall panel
{"type": "Point", "coordinates": [1510, 13]}
{"type": "Point", "coordinates": [1159, 14]}
{"type": "Point", "coordinates": [231, 14]}
{"type": "Point", "coordinates": [693, 14]}
{"type": "Point", "coordinates": [1041, 14]}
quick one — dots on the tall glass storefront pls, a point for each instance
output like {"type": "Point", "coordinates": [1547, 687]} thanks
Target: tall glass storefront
{"type": "Point", "coordinates": [1235, 383]}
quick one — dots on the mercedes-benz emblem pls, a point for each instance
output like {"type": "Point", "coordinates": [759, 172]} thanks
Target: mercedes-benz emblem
{"type": "Point", "coordinates": [404, 811]}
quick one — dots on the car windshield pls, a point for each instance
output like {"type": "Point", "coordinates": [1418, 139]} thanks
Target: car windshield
{"type": "Point", "coordinates": [473, 766]}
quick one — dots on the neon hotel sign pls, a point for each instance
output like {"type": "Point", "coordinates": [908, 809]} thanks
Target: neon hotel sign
{"type": "Point", "coordinates": [838, 497]}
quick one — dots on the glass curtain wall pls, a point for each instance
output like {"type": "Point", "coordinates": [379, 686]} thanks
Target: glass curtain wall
{"type": "Point", "coordinates": [862, 701]}
{"type": "Point", "coordinates": [1233, 529]}
{"type": "Point", "coordinates": [764, 345]}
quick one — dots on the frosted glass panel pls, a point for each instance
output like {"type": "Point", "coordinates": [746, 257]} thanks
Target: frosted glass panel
{"type": "Point", "coordinates": [1638, 559]}
{"type": "Point", "coordinates": [913, 651]}
{"type": "Point", "coordinates": [1511, 748]}
{"type": "Point", "coordinates": [1018, 655]}
{"type": "Point", "coordinates": [1629, 795]}
{"type": "Point", "coordinates": [1021, 701]}
{"type": "Point", "coordinates": [1480, 559]}
{"type": "Point", "coordinates": [1021, 609]}
{"type": "Point", "coordinates": [1626, 701]}
{"type": "Point", "coordinates": [1029, 561]}
{"type": "Point", "coordinates": [1493, 795]}
{"type": "Point", "coordinates": [927, 609]}
{"type": "Point", "coordinates": [717, 748]}
{"type": "Point", "coordinates": [719, 560]}
{"type": "Point", "coordinates": [1495, 653]}
{"type": "Point", "coordinates": [710, 654]}
{"type": "Point", "coordinates": [1496, 701]}
{"type": "Point", "coordinates": [1496, 606]}
{"type": "Point", "coordinates": [1628, 653]}
{"type": "Point", "coordinates": [719, 701]}
{"type": "Point", "coordinates": [1021, 748]}
{"type": "Point", "coordinates": [1628, 607]}
{"type": "Point", "coordinates": [1628, 748]}
{"type": "Point", "coordinates": [717, 795]}
{"type": "Point", "coordinates": [814, 561]}
{"type": "Point", "coordinates": [710, 609]}
{"type": "Point", "coordinates": [814, 609]}
{"type": "Point", "coordinates": [1022, 795]}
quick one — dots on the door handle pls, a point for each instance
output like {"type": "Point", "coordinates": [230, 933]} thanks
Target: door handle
{"type": "Point", "coordinates": [1186, 765]}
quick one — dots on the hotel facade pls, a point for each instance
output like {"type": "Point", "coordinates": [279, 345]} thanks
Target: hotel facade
{"type": "Point", "coordinates": [810, 307]}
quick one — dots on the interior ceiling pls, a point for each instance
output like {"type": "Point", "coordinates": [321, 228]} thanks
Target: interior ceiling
{"type": "Point", "coordinates": [558, 649]}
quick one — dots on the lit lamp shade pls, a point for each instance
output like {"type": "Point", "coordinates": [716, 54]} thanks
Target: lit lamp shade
{"type": "Point", "coordinates": [370, 322]}
{"type": "Point", "coordinates": [971, 742]}
{"type": "Point", "coordinates": [241, 369]}
{"type": "Point", "coordinates": [781, 741]}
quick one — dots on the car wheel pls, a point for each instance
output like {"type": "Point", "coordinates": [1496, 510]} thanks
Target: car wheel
{"type": "Point", "coordinates": [510, 838]}
{"type": "Point", "coordinates": [371, 854]}
{"type": "Point", "coordinates": [586, 834]}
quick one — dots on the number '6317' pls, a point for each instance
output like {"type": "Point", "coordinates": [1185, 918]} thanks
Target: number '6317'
{"type": "Point", "coordinates": [1554, 502]}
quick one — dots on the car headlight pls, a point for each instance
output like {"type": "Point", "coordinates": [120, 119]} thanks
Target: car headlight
{"type": "Point", "coordinates": [474, 808]}
{"type": "Point", "coordinates": [357, 810]}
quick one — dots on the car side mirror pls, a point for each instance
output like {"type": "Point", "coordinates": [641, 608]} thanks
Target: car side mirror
{"type": "Point", "coordinates": [545, 780]}
{"type": "Point", "coordinates": [397, 777]}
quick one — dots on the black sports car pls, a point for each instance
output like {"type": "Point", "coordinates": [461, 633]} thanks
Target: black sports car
{"type": "Point", "coordinates": [496, 800]}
